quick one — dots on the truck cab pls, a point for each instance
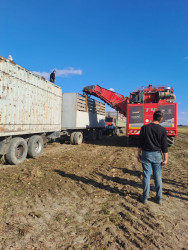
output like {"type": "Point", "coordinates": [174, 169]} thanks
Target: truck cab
{"type": "Point", "coordinates": [110, 124]}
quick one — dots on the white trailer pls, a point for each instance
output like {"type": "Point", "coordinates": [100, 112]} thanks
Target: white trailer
{"type": "Point", "coordinates": [34, 110]}
{"type": "Point", "coordinates": [82, 117]}
{"type": "Point", "coordinates": [30, 112]}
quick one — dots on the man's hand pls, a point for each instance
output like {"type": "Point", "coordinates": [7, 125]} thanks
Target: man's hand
{"type": "Point", "coordinates": [139, 155]}
{"type": "Point", "coordinates": [139, 158]}
{"type": "Point", "coordinates": [165, 157]}
{"type": "Point", "coordinates": [164, 162]}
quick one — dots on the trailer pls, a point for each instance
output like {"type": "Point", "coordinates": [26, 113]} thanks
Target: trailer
{"type": "Point", "coordinates": [30, 112]}
{"type": "Point", "coordinates": [34, 111]}
{"type": "Point", "coordinates": [115, 123]}
{"type": "Point", "coordinates": [82, 118]}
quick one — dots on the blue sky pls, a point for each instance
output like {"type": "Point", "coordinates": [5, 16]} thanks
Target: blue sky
{"type": "Point", "coordinates": [118, 44]}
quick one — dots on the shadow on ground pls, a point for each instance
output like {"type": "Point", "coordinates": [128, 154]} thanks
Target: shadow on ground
{"type": "Point", "coordinates": [116, 141]}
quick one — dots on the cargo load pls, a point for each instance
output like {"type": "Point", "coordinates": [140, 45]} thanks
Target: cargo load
{"type": "Point", "coordinates": [82, 117]}
{"type": "Point", "coordinates": [28, 102]}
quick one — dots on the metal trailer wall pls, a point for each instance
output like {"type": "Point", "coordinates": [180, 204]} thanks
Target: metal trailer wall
{"type": "Point", "coordinates": [80, 112]}
{"type": "Point", "coordinates": [28, 103]}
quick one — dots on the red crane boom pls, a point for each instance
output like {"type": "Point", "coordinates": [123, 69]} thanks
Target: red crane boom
{"type": "Point", "coordinates": [115, 100]}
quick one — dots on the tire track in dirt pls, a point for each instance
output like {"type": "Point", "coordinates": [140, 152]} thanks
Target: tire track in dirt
{"type": "Point", "coordinates": [88, 198]}
{"type": "Point", "coordinates": [136, 240]}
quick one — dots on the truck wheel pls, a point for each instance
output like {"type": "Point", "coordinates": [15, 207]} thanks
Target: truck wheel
{"type": "Point", "coordinates": [72, 141]}
{"type": "Point", "coordinates": [170, 141]}
{"type": "Point", "coordinates": [17, 151]}
{"type": "Point", "coordinates": [92, 135]}
{"type": "Point", "coordinates": [99, 134]}
{"type": "Point", "coordinates": [35, 146]}
{"type": "Point", "coordinates": [78, 138]}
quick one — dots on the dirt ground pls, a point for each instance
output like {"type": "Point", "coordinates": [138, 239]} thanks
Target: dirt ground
{"type": "Point", "coordinates": [87, 197]}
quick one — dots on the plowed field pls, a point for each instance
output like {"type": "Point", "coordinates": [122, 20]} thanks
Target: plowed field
{"type": "Point", "coordinates": [87, 197]}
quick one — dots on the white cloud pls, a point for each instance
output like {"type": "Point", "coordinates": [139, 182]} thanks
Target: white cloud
{"type": "Point", "coordinates": [183, 118]}
{"type": "Point", "coordinates": [186, 57]}
{"type": "Point", "coordinates": [68, 71]}
{"type": "Point", "coordinates": [45, 74]}
{"type": "Point", "coordinates": [61, 72]}
{"type": "Point", "coordinates": [182, 121]}
{"type": "Point", "coordinates": [111, 89]}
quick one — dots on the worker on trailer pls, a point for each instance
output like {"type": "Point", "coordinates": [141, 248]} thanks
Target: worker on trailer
{"type": "Point", "coordinates": [153, 141]}
{"type": "Point", "coordinates": [52, 76]}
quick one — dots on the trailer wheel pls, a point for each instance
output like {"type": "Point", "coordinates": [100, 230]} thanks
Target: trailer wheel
{"type": "Point", "coordinates": [170, 141]}
{"type": "Point", "coordinates": [78, 138]}
{"type": "Point", "coordinates": [99, 134]}
{"type": "Point", "coordinates": [72, 141]}
{"type": "Point", "coordinates": [17, 151]}
{"type": "Point", "coordinates": [35, 146]}
{"type": "Point", "coordinates": [92, 135]}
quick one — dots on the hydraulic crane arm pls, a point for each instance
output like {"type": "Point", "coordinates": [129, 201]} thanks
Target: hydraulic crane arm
{"type": "Point", "coordinates": [116, 101]}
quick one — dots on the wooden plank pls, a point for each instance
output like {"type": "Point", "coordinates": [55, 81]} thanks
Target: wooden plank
{"type": "Point", "coordinates": [81, 98]}
{"type": "Point", "coordinates": [81, 109]}
{"type": "Point", "coordinates": [81, 104]}
{"type": "Point", "coordinates": [100, 110]}
{"type": "Point", "coordinates": [81, 101]}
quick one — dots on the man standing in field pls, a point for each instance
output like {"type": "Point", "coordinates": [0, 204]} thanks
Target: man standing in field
{"type": "Point", "coordinates": [153, 141]}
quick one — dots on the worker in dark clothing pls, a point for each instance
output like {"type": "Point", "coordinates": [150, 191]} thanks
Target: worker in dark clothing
{"type": "Point", "coordinates": [52, 76]}
{"type": "Point", "coordinates": [152, 144]}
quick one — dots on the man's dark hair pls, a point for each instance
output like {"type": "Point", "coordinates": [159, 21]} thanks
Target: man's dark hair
{"type": "Point", "coordinates": [157, 116]}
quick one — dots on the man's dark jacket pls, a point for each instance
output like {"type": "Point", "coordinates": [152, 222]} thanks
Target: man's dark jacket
{"type": "Point", "coordinates": [52, 77]}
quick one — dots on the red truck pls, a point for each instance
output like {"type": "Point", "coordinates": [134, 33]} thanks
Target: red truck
{"type": "Point", "coordinates": [115, 123]}
{"type": "Point", "coordinates": [139, 107]}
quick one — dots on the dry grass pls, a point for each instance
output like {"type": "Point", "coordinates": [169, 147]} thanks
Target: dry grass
{"type": "Point", "coordinates": [183, 129]}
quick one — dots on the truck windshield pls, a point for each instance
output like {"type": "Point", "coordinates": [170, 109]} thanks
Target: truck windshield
{"type": "Point", "coordinates": [107, 119]}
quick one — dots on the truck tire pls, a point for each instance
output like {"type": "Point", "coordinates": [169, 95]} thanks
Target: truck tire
{"type": "Point", "coordinates": [92, 135]}
{"type": "Point", "coordinates": [35, 146]}
{"type": "Point", "coordinates": [99, 134]}
{"type": "Point", "coordinates": [170, 141]}
{"type": "Point", "coordinates": [17, 151]}
{"type": "Point", "coordinates": [78, 138]}
{"type": "Point", "coordinates": [72, 140]}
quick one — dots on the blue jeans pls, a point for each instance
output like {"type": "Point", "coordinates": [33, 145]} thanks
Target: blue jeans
{"type": "Point", "coordinates": [152, 159]}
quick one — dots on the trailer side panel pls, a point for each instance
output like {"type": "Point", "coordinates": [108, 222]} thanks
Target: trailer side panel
{"type": "Point", "coordinates": [28, 102]}
{"type": "Point", "coordinates": [80, 112]}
